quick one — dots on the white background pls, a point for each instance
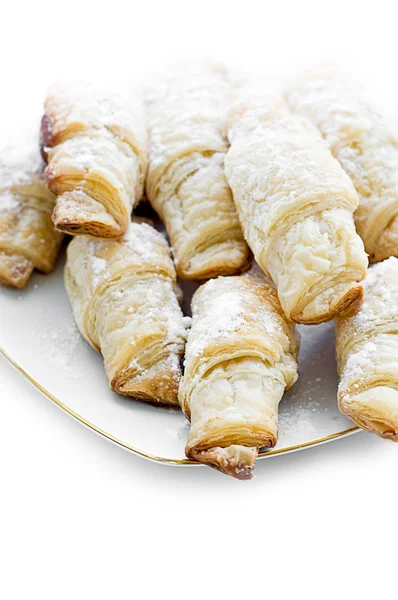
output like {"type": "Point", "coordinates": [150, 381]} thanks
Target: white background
{"type": "Point", "coordinates": [81, 518]}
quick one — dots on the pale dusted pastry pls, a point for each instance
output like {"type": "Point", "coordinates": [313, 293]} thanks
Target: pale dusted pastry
{"type": "Point", "coordinates": [241, 356]}
{"type": "Point", "coordinates": [28, 238]}
{"type": "Point", "coordinates": [365, 146]}
{"type": "Point", "coordinates": [186, 182]}
{"type": "Point", "coordinates": [367, 354]}
{"type": "Point", "coordinates": [95, 144]}
{"type": "Point", "coordinates": [295, 203]}
{"type": "Point", "coordinates": [124, 304]}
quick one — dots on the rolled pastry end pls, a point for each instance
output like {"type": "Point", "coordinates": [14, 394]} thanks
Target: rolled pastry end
{"type": "Point", "coordinates": [157, 385]}
{"type": "Point", "coordinates": [15, 270]}
{"type": "Point", "coordinates": [233, 413]}
{"type": "Point", "coordinates": [340, 299]}
{"type": "Point", "coordinates": [237, 461]}
{"type": "Point", "coordinates": [221, 259]}
{"type": "Point", "coordinates": [318, 267]}
{"type": "Point", "coordinates": [77, 213]}
{"type": "Point", "coordinates": [375, 410]}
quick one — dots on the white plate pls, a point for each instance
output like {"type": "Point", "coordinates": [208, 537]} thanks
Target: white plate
{"type": "Point", "coordinates": [38, 335]}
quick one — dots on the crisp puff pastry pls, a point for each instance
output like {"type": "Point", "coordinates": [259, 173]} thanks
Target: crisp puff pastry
{"type": "Point", "coordinates": [95, 145]}
{"type": "Point", "coordinates": [295, 204]}
{"type": "Point", "coordinates": [365, 146]}
{"type": "Point", "coordinates": [367, 354]}
{"type": "Point", "coordinates": [124, 304]}
{"type": "Point", "coordinates": [241, 355]}
{"type": "Point", "coordinates": [28, 239]}
{"type": "Point", "coordinates": [186, 182]}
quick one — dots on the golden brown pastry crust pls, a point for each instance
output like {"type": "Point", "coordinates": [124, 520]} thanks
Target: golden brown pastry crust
{"type": "Point", "coordinates": [28, 239]}
{"type": "Point", "coordinates": [367, 354]}
{"type": "Point", "coordinates": [124, 304]}
{"type": "Point", "coordinates": [186, 181]}
{"type": "Point", "coordinates": [236, 461]}
{"type": "Point", "coordinates": [95, 144]}
{"type": "Point", "coordinates": [295, 204]}
{"type": "Point", "coordinates": [241, 356]}
{"type": "Point", "coordinates": [15, 269]}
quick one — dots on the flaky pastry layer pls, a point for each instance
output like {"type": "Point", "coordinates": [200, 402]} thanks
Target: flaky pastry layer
{"type": "Point", "coordinates": [240, 357]}
{"type": "Point", "coordinates": [295, 204]}
{"type": "Point", "coordinates": [95, 145]}
{"type": "Point", "coordinates": [186, 181]}
{"type": "Point", "coordinates": [124, 304]}
{"type": "Point", "coordinates": [367, 354]}
{"type": "Point", "coordinates": [366, 148]}
{"type": "Point", "coordinates": [28, 239]}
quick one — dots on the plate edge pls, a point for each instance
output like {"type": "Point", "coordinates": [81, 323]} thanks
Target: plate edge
{"type": "Point", "coordinates": [154, 457]}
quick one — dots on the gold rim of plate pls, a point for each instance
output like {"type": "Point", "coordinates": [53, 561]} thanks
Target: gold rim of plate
{"type": "Point", "coordinates": [162, 459]}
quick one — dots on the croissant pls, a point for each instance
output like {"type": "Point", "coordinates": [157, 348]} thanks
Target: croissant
{"type": "Point", "coordinates": [241, 355]}
{"type": "Point", "coordinates": [95, 145]}
{"type": "Point", "coordinates": [125, 306]}
{"type": "Point", "coordinates": [366, 148]}
{"type": "Point", "coordinates": [295, 204]}
{"type": "Point", "coordinates": [186, 182]}
{"type": "Point", "coordinates": [367, 354]}
{"type": "Point", "coordinates": [28, 239]}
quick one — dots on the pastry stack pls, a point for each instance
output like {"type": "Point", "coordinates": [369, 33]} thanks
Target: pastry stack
{"type": "Point", "coordinates": [271, 206]}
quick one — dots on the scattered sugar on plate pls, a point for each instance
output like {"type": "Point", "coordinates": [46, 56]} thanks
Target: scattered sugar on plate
{"type": "Point", "coordinates": [60, 343]}
{"type": "Point", "coordinates": [180, 431]}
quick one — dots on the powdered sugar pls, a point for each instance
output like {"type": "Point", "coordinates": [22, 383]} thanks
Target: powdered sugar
{"type": "Point", "coordinates": [186, 181]}
{"type": "Point", "coordinates": [123, 297]}
{"type": "Point", "coordinates": [187, 113]}
{"type": "Point", "coordinates": [360, 362]}
{"type": "Point", "coordinates": [224, 308]}
{"type": "Point", "coordinates": [380, 297]}
{"type": "Point", "coordinates": [8, 201]}
{"type": "Point", "coordinates": [60, 342]}
{"type": "Point", "coordinates": [143, 240]}
{"type": "Point", "coordinates": [99, 269]}
{"type": "Point", "coordinates": [117, 109]}
{"type": "Point", "coordinates": [298, 423]}
{"type": "Point", "coordinates": [278, 162]}
{"type": "Point", "coordinates": [217, 319]}
{"type": "Point", "coordinates": [179, 431]}
{"type": "Point", "coordinates": [363, 143]}
{"type": "Point", "coordinates": [365, 339]}
{"type": "Point", "coordinates": [20, 162]}
{"type": "Point", "coordinates": [92, 129]}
